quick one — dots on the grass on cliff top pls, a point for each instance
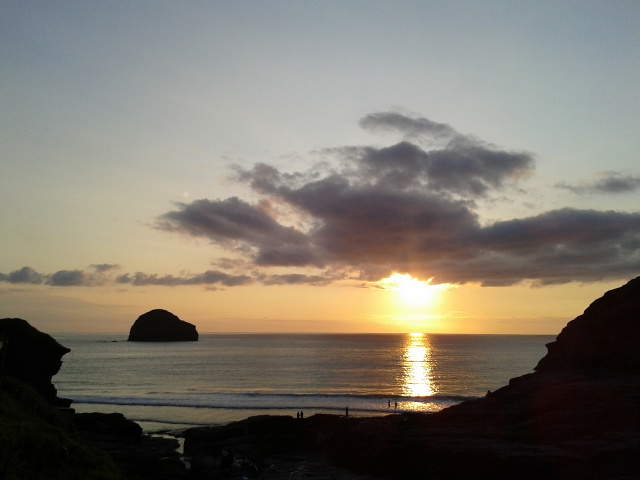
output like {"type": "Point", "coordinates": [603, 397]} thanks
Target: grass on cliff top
{"type": "Point", "coordinates": [39, 442]}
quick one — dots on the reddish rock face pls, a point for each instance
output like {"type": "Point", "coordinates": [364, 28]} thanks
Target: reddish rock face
{"type": "Point", "coordinates": [162, 326]}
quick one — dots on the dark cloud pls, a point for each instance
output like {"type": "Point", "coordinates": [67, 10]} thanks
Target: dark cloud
{"type": "Point", "coordinates": [295, 279]}
{"type": "Point", "coordinates": [558, 246]}
{"type": "Point", "coordinates": [236, 222]}
{"type": "Point", "coordinates": [98, 274]}
{"type": "Point", "coordinates": [105, 267]}
{"type": "Point", "coordinates": [412, 209]}
{"type": "Point", "coordinates": [364, 212]}
{"type": "Point", "coordinates": [410, 127]}
{"type": "Point", "coordinates": [610, 182]}
{"type": "Point", "coordinates": [70, 278]}
{"type": "Point", "coordinates": [231, 219]}
{"type": "Point", "coordinates": [23, 275]}
{"type": "Point", "coordinates": [210, 277]}
{"type": "Point", "coordinates": [460, 164]}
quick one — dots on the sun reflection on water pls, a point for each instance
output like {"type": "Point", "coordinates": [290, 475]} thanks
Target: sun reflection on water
{"type": "Point", "coordinates": [416, 360]}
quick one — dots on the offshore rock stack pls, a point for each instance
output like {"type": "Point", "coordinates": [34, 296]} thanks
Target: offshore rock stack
{"type": "Point", "coordinates": [162, 326]}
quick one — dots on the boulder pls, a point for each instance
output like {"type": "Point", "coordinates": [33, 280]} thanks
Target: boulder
{"type": "Point", "coordinates": [162, 326]}
{"type": "Point", "coordinates": [32, 357]}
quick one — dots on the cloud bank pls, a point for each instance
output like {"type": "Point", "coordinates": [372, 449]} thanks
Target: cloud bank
{"type": "Point", "coordinates": [212, 279]}
{"type": "Point", "coordinates": [95, 275]}
{"type": "Point", "coordinates": [364, 212]}
{"type": "Point", "coordinates": [411, 207]}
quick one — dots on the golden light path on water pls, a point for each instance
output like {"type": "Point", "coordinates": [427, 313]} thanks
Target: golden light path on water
{"type": "Point", "coordinates": [417, 364]}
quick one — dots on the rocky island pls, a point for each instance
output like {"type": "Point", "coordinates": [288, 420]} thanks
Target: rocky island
{"type": "Point", "coordinates": [162, 326]}
{"type": "Point", "coordinates": [31, 356]}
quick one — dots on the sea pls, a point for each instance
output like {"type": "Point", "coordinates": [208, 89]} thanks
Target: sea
{"type": "Point", "coordinates": [167, 387]}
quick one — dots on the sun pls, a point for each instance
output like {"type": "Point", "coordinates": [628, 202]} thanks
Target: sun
{"type": "Point", "coordinates": [411, 291]}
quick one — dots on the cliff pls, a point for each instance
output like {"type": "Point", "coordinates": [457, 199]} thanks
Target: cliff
{"type": "Point", "coordinates": [32, 357]}
{"type": "Point", "coordinates": [605, 337]}
{"type": "Point", "coordinates": [162, 326]}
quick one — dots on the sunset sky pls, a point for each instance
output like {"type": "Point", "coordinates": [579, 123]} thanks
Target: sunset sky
{"type": "Point", "coordinates": [459, 166]}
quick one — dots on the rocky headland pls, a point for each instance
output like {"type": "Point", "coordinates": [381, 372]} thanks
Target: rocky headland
{"type": "Point", "coordinates": [162, 326]}
{"type": "Point", "coordinates": [31, 356]}
{"type": "Point", "coordinates": [42, 438]}
{"type": "Point", "coordinates": [576, 416]}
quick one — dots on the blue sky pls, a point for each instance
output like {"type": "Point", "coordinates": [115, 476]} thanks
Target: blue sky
{"type": "Point", "coordinates": [121, 121]}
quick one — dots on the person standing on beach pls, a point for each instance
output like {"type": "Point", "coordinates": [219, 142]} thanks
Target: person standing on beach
{"type": "Point", "coordinates": [346, 411]}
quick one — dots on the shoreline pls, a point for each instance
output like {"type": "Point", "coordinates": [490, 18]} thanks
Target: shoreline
{"type": "Point", "coordinates": [182, 418]}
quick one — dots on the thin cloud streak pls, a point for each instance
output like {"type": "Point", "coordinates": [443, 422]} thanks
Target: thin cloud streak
{"type": "Point", "coordinates": [95, 275]}
{"type": "Point", "coordinates": [89, 278]}
{"type": "Point", "coordinates": [609, 183]}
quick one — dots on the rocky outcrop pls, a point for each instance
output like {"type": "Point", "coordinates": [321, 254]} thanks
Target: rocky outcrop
{"type": "Point", "coordinates": [162, 326]}
{"type": "Point", "coordinates": [576, 416]}
{"type": "Point", "coordinates": [32, 357]}
{"type": "Point", "coordinates": [140, 456]}
{"type": "Point", "coordinates": [605, 337]}
{"type": "Point", "coordinates": [39, 441]}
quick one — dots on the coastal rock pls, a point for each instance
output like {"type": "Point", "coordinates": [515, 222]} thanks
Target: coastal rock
{"type": "Point", "coordinates": [162, 326]}
{"type": "Point", "coordinates": [605, 336]}
{"type": "Point", "coordinates": [32, 357]}
{"type": "Point", "coordinates": [140, 456]}
{"type": "Point", "coordinates": [39, 441]}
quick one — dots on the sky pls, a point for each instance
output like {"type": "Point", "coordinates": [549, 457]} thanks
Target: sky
{"type": "Point", "coordinates": [439, 167]}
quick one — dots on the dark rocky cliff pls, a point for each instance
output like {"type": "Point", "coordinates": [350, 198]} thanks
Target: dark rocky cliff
{"type": "Point", "coordinates": [162, 326]}
{"type": "Point", "coordinates": [606, 336]}
{"type": "Point", "coordinates": [32, 357]}
{"type": "Point", "coordinates": [40, 441]}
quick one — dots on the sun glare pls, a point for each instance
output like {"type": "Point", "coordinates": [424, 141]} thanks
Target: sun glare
{"type": "Point", "coordinates": [411, 291]}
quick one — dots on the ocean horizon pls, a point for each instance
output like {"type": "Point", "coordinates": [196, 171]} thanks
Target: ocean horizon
{"type": "Point", "coordinates": [223, 377]}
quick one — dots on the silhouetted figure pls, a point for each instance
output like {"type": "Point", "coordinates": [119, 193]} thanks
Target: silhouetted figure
{"type": "Point", "coordinates": [346, 411]}
{"type": "Point", "coordinates": [396, 405]}
{"type": "Point", "coordinates": [389, 404]}
{"type": "Point", "coordinates": [297, 414]}
{"type": "Point", "coordinates": [301, 414]}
